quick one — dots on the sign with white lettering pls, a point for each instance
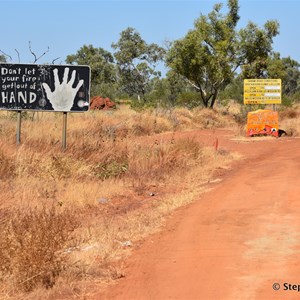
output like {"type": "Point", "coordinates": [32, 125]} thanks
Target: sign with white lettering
{"type": "Point", "coordinates": [262, 91]}
{"type": "Point", "coordinates": [63, 88]}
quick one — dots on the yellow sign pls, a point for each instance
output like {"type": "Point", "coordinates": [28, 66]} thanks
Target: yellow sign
{"type": "Point", "coordinates": [262, 91]}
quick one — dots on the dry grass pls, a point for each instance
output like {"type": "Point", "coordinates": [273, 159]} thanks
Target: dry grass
{"type": "Point", "coordinates": [68, 217]}
{"type": "Point", "coordinates": [289, 120]}
{"type": "Point", "coordinates": [152, 163]}
{"type": "Point", "coordinates": [207, 118]}
{"type": "Point", "coordinates": [33, 245]}
{"type": "Point", "coordinates": [289, 113]}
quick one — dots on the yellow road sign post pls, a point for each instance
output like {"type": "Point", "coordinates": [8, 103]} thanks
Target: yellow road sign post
{"type": "Point", "coordinates": [262, 91]}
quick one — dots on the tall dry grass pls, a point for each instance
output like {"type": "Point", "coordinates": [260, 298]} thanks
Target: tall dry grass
{"type": "Point", "coordinates": [289, 120]}
{"type": "Point", "coordinates": [68, 216]}
{"type": "Point", "coordinates": [32, 248]}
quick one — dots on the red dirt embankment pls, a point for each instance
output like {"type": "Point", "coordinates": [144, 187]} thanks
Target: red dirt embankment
{"type": "Point", "coordinates": [235, 242]}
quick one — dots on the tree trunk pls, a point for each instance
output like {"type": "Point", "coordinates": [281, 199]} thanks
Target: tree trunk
{"type": "Point", "coordinates": [205, 103]}
{"type": "Point", "coordinates": [209, 101]}
{"type": "Point", "coordinates": [213, 100]}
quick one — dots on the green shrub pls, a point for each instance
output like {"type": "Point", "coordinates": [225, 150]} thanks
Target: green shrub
{"type": "Point", "coordinates": [112, 169]}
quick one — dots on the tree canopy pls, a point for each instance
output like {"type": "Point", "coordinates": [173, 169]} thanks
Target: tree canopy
{"type": "Point", "coordinates": [210, 61]}
{"type": "Point", "coordinates": [210, 54]}
{"type": "Point", "coordinates": [137, 62]}
{"type": "Point", "coordinates": [103, 73]}
{"type": "Point", "coordinates": [287, 69]}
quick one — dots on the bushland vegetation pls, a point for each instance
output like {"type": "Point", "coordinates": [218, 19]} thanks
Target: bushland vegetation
{"type": "Point", "coordinates": [68, 217]}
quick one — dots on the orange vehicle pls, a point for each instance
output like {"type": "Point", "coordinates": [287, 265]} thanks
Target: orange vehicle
{"type": "Point", "coordinates": [262, 122]}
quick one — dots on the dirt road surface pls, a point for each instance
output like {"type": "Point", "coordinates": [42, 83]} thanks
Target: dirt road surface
{"type": "Point", "coordinates": [240, 240]}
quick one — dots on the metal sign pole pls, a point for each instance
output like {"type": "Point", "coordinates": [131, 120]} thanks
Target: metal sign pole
{"type": "Point", "coordinates": [19, 127]}
{"type": "Point", "coordinates": [64, 131]}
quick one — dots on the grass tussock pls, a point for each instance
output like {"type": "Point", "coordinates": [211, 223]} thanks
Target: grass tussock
{"type": "Point", "coordinates": [289, 113]}
{"type": "Point", "coordinates": [33, 246]}
{"type": "Point", "coordinates": [208, 118]}
{"type": "Point", "coordinates": [159, 161]}
{"type": "Point", "coordinates": [289, 120]}
{"type": "Point", "coordinates": [7, 166]}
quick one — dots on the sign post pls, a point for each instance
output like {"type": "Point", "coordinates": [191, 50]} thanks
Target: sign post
{"type": "Point", "coordinates": [262, 91]}
{"type": "Point", "coordinates": [56, 88]}
{"type": "Point", "coordinates": [64, 131]}
{"type": "Point", "coordinates": [19, 116]}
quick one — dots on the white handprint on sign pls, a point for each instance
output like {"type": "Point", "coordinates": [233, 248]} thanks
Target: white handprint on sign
{"type": "Point", "coordinates": [63, 95]}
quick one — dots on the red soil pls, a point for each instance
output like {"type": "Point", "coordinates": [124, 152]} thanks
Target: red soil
{"type": "Point", "coordinates": [236, 241]}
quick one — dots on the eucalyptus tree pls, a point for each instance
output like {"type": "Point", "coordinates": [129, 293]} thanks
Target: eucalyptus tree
{"type": "Point", "coordinates": [137, 63]}
{"type": "Point", "coordinates": [256, 48]}
{"type": "Point", "coordinates": [103, 71]}
{"type": "Point", "coordinates": [287, 69]}
{"type": "Point", "coordinates": [209, 55]}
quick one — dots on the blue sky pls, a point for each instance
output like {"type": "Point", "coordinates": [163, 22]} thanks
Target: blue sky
{"type": "Point", "coordinates": [66, 25]}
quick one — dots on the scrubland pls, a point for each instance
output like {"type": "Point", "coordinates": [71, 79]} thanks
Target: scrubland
{"type": "Point", "coordinates": [289, 120]}
{"type": "Point", "coordinates": [69, 218]}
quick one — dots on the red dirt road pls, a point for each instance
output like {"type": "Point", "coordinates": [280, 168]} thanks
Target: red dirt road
{"type": "Point", "coordinates": [235, 242]}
